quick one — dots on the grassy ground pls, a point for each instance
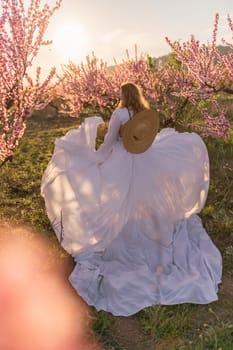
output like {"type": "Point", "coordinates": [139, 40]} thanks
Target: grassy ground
{"type": "Point", "coordinates": [180, 327]}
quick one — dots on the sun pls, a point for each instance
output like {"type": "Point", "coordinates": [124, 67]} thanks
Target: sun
{"type": "Point", "coordinates": [71, 42]}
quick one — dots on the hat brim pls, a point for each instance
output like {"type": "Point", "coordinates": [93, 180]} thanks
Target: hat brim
{"type": "Point", "coordinates": [139, 132]}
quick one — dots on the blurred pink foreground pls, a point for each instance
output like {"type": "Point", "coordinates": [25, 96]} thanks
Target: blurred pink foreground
{"type": "Point", "coordinates": [38, 309]}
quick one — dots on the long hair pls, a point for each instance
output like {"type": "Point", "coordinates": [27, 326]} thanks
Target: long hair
{"type": "Point", "coordinates": [132, 98]}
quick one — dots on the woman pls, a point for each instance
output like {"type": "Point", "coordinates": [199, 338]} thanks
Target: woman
{"type": "Point", "coordinates": [130, 220]}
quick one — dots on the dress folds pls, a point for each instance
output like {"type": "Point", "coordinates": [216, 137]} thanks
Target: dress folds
{"type": "Point", "coordinates": [131, 220]}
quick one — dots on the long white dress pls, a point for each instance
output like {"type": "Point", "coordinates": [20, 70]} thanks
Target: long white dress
{"type": "Point", "coordinates": [130, 220]}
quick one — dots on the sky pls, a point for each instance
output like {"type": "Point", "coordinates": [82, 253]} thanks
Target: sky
{"type": "Point", "coordinates": [109, 27]}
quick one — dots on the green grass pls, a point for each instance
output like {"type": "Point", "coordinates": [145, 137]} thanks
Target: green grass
{"type": "Point", "coordinates": [180, 327]}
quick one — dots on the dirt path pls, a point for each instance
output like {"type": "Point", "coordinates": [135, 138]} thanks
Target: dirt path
{"type": "Point", "coordinates": [128, 333]}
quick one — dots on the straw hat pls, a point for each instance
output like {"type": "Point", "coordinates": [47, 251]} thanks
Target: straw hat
{"type": "Point", "coordinates": [139, 132]}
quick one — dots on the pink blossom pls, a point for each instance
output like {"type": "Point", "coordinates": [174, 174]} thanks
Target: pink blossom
{"type": "Point", "coordinates": [21, 36]}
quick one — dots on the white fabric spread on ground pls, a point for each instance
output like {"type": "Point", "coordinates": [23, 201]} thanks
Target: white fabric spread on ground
{"type": "Point", "coordinates": [130, 220]}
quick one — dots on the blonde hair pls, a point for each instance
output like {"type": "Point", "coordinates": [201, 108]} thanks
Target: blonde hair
{"type": "Point", "coordinates": [132, 98]}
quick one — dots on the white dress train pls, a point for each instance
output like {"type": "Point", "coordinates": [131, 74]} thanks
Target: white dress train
{"type": "Point", "coordinates": [130, 220]}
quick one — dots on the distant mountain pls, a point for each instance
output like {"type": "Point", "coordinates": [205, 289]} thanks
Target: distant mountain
{"type": "Point", "coordinates": [164, 59]}
{"type": "Point", "coordinates": [223, 49]}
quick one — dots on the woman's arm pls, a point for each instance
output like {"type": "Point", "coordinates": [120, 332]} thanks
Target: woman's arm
{"type": "Point", "coordinates": [110, 138]}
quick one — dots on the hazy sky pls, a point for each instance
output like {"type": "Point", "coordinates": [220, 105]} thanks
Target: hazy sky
{"type": "Point", "coordinates": [109, 27]}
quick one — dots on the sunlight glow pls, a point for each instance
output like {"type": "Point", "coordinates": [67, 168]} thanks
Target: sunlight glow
{"type": "Point", "coordinates": [71, 42]}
